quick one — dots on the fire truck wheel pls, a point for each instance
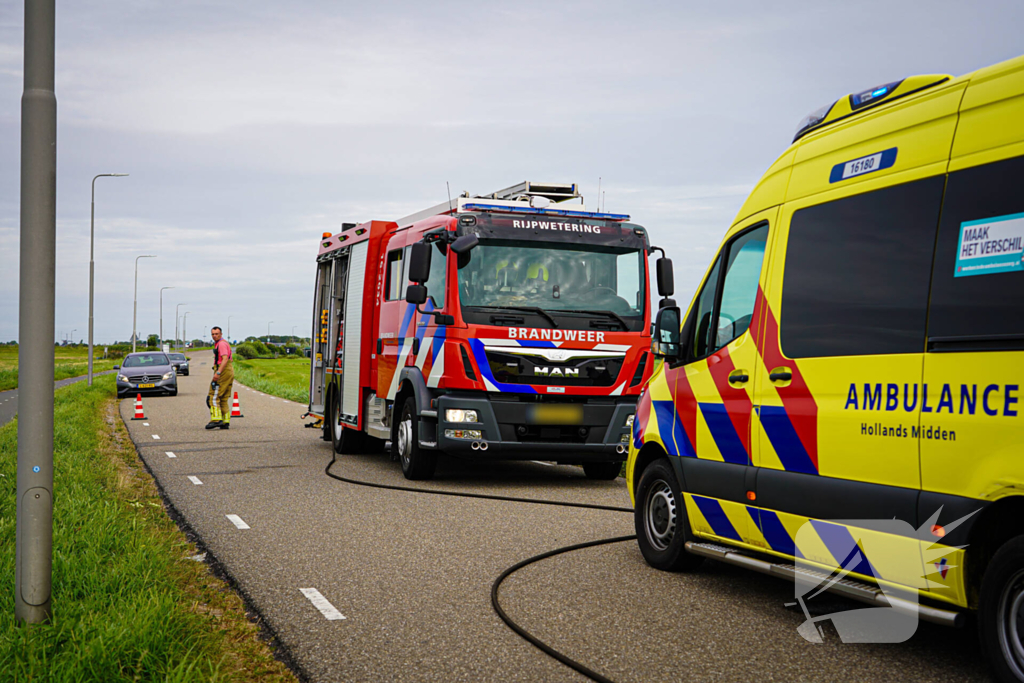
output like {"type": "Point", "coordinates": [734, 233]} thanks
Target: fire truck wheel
{"type": "Point", "coordinates": [416, 462]}
{"type": "Point", "coordinates": [662, 527]}
{"type": "Point", "coordinates": [1001, 612]}
{"type": "Point", "coordinates": [338, 435]}
{"type": "Point", "coordinates": [602, 471]}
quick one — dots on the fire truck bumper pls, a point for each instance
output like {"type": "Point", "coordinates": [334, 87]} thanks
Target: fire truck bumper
{"type": "Point", "coordinates": [515, 430]}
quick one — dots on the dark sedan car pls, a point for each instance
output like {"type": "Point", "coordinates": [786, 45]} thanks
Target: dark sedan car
{"type": "Point", "coordinates": [146, 373]}
{"type": "Point", "coordinates": [180, 362]}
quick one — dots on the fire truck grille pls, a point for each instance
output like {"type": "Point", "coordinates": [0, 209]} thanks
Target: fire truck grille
{"type": "Point", "coordinates": [578, 372]}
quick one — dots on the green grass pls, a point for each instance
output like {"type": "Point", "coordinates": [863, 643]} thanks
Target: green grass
{"type": "Point", "coordinates": [284, 377]}
{"type": "Point", "coordinates": [127, 603]}
{"type": "Point", "coordinates": [69, 361]}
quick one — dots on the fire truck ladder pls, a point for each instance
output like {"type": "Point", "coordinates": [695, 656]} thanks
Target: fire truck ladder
{"type": "Point", "coordinates": [556, 192]}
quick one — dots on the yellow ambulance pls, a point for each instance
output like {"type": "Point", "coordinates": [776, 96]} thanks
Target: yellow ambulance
{"type": "Point", "coordinates": [855, 352]}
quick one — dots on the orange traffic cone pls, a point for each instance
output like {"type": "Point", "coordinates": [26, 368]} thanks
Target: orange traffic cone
{"type": "Point", "coordinates": [139, 413]}
{"type": "Point", "coordinates": [236, 410]}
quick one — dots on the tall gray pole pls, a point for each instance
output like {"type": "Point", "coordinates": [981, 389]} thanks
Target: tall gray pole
{"type": "Point", "coordinates": [176, 319]}
{"type": "Point", "coordinates": [184, 329]}
{"type": "Point", "coordinates": [162, 314]}
{"type": "Point", "coordinates": [268, 331]}
{"type": "Point", "coordinates": [135, 302]}
{"type": "Point", "coordinates": [92, 265]}
{"type": "Point", "coordinates": [34, 533]}
{"type": "Point", "coordinates": [229, 327]}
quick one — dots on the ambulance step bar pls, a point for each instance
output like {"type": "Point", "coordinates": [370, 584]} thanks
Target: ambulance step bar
{"type": "Point", "coordinates": [855, 590]}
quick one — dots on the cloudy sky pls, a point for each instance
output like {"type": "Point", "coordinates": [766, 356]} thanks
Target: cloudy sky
{"type": "Point", "coordinates": [251, 127]}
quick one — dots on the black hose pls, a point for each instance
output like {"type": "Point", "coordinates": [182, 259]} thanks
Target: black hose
{"type": "Point", "coordinates": [495, 604]}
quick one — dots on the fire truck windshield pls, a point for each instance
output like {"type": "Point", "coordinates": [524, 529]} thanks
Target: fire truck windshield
{"type": "Point", "coordinates": [597, 282]}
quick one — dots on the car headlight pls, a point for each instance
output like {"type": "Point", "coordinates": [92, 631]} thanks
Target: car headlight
{"type": "Point", "coordinates": [122, 378]}
{"type": "Point", "coordinates": [168, 375]}
{"type": "Point", "coordinates": [459, 415]}
{"type": "Point", "coordinates": [629, 422]}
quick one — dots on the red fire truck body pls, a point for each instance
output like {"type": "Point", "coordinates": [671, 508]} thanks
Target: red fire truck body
{"type": "Point", "coordinates": [533, 343]}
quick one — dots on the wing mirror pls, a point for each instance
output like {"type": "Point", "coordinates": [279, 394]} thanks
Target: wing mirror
{"type": "Point", "coordinates": [416, 294]}
{"type": "Point", "coordinates": [117, 367]}
{"type": "Point", "coordinates": [465, 244]}
{"type": "Point", "coordinates": [419, 263]}
{"type": "Point", "coordinates": [665, 343]}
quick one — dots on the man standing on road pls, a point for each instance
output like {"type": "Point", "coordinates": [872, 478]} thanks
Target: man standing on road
{"type": "Point", "coordinates": [219, 398]}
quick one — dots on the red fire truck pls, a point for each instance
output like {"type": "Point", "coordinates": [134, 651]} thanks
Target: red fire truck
{"type": "Point", "coordinates": [514, 325]}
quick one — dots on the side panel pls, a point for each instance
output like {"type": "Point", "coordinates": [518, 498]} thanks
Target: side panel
{"type": "Point", "coordinates": [353, 333]}
{"type": "Point", "coordinates": [319, 353]}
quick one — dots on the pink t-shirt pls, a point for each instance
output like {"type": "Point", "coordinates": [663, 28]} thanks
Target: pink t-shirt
{"type": "Point", "coordinates": [223, 352]}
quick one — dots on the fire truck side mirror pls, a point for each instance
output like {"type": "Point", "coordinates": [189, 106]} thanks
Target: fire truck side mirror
{"type": "Point", "coordinates": [416, 294]}
{"type": "Point", "coordinates": [465, 244]}
{"type": "Point", "coordinates": [666, 285]}
{"type": "Point", "coordinates": [665, 343]}
{"type": "Point", "coordinates": [419, 262]}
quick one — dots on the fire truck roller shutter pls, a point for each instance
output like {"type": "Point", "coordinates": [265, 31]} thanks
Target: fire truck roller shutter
{"type": "Point", "coordinates": [350, 395]}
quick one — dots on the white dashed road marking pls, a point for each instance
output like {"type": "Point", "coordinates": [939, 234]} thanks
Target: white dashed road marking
{"type": "Point", "coordinates": [170, 454]}
{"type": "Point", "coordinates": [237, 521]}
{"type": "Point", "coordinates": [156, 436]}
{"type": "Point", "coordinates": [329, 611]}
{"type": "Point", "coordinates": [549, 464]}
{"type": "Point", "coordinates": [145, 424]}
{"type": "Point", "coordinates": [195, 480]}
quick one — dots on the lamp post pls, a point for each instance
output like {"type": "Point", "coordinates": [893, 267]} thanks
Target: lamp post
{"type": "Point", "coordinates": [135, 304]}
{"type": "Point", "coordinates": [229, 327]}
{"type": "Point", "coordinates": [176, 338]}
{"type": "Point", "coordinates": [162, 314]}
{"type": "Point", "coordinates": [268, 331]}
{"type": "Point", "coordinates": [92, 240]}
{"type": "Point", "coordinates": [71, 339]}
{"type": "Point", "coordinates": [184, 329]}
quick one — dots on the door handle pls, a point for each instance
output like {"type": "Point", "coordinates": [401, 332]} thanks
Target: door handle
{"type": "Point", "coordinates": [739, 377]}
{"type": "Point", "coordinates": [380, 346]}
{"type": "Point", "coordinates": [782, 374]}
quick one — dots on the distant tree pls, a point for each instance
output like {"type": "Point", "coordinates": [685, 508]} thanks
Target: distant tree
{"type": "Point", "coordinates": [152, 340]}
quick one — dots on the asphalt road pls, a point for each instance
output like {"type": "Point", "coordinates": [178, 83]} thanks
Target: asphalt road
{"type": "Point", "coordinates": [9, 399]}
{"type": "Point", "coordinates": [411, 573]}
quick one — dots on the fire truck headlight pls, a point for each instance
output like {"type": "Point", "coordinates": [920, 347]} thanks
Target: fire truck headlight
{"type": "Point", "coordinates": [629, 422]}
{"type": "Point", "coordinates": [459, 415]}
{"type": "Point", "coordinates": [463, 434]}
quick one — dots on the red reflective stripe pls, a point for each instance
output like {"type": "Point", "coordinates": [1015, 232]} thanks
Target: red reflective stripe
{"type": "Point", "coordinates": [686, 406]}
{"type": "Point", "coordinates": [738, 405]}
{"type": "Point", "coordinates": [643, 411]}
{"type": "Point", "coordinates": [796, 398]}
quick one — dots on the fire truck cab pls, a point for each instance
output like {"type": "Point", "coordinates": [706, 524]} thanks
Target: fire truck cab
{"type": "Point", "coordinates": [514, 325]}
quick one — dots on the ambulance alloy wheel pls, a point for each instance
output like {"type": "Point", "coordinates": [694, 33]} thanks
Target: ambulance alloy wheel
{"type": "Point", "coordinates": [1001, 612]}
{"type": "Point", "coordinates": [416, 462]}
{"type": "Point", "coordinates": [662, 528]}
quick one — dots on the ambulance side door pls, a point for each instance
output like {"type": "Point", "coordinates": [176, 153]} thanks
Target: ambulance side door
{"type": "Point", "coordinates": [713, 389]}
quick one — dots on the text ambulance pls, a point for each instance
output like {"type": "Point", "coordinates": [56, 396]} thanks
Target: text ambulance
{"type": "Point", "coordinates": [525, 333]}
{"type": "Point", "coordinates": [856, 352]}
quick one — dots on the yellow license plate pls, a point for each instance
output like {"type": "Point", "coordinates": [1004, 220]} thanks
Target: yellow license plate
{"type": "Point", "coordinates": [147, 386]}
{"type": "Point", "coordinates": [556, 415]}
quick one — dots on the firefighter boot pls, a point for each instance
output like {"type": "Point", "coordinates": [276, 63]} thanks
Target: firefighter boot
{"type": "Point", "coordinates": [215, 414]}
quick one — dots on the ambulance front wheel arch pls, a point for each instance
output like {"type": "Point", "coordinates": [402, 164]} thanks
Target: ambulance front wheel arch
{"type": "Point", "coordinates": [659, 516]}
{"type": "Point", "coordinates": [1001, 612]}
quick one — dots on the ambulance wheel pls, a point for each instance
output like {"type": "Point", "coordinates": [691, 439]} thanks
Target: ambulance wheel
{"type": "Point", "coordinates": [1001, 612]}
{"type": "Point", "coordinates": [416, 462]}
{"type": "Point", "coordinates": [602, 471]}
{"type": "Point", "coordinates": [662, 527]}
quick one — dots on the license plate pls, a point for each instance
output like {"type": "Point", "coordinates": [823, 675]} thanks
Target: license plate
{"type": "Point", "coordinates": [556, 415]}
{"type": "Point", "coordinates": [147, 386]}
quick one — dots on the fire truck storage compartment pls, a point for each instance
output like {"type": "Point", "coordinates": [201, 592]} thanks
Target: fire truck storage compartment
{"type": "Point", "coordinates": [350, 395]}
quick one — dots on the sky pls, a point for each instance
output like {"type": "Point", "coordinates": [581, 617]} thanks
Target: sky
{"type": "Point", "coordinates": [250, 128]}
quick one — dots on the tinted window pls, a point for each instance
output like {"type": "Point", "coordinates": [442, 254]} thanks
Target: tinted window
{"type": "Point", "coordinates": [146, 360]}
{"type": "Point", "coordinates": [857, 272]}
{"type": "Point", "coordinates": [703, 311]}
{"type": "Point", "coordinates": [984, 299]}
{"type": "Point", "coordinates": [176, 356]}
{"type": "Point", "coordinates": [739, 290]}
{"type": "Point", "coordinates": [436, 279]}
{"type": "Point", "coordinates": [395, 283]}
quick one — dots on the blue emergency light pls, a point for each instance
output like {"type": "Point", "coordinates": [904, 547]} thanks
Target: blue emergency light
{"type": "Point", "coordinates": [478, 206]}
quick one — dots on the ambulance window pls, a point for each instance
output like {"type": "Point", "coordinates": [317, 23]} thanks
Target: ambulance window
{"type": "Point", "coordinates": [436, 280]}
{"type": "Point", "coordinates": [857, 272]}
{"type": "Point", "coordinates": [739, 289]}
{"type": "Point", "coordinates": [977, 300]}
{"type": "Point", "coordinates": [396, 283]}
{"type": "Point", "coordinates": [703, 311]}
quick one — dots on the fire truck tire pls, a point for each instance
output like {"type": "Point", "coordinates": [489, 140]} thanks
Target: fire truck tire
{"type": "Point", "coordinates": [662, 527]}
{"type": "Point", "coordinates": [1001, 612]}
{"type": "Point", "coordinates": [416, 462]}
{"type": "Point", "coordinates": [602, 471]}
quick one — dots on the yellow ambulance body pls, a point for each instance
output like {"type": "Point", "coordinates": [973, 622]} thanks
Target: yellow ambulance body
{"type": "Point", "coordinates": [856, 352]}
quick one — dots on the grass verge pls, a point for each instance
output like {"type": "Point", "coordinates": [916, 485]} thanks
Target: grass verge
{"type": "Point", "coordinates": [129, 604]}
{"type": "Point", "coordinates": [69, 361]}
{"type": "Point", "coordinates": [284, 377]}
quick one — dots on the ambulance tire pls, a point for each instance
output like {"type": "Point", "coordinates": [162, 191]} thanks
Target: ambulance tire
{"type": "Point", "coordinates": [417, 464]}
{"type": "Point", "coordinates": [602, 471]}
{"type": "Point", "coordinates": [659, 517]}
{"type": "Point", "coordinates": [1001, 612]}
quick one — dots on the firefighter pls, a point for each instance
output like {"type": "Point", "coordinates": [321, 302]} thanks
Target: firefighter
{"type": "Point", "coordinates": [219, 398]}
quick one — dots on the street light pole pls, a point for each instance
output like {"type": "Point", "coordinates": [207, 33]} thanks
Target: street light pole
{"type": "Point", "coordinates": [135, 303]}
{"type": "Point", "coordinates": [176, 337]}
{"type": "Point", "coordinates": [184, 329]}
{"type": "Point", "coordinates": [268, 331]}
{"type": "Point", "coordinates": [162, 314]}
{"type": "Point", "coordinates": [229, 327]}
{"type": "Point", "coordinates": [34, 512]}
{"type": "Point", "coordinates": [92, 265]}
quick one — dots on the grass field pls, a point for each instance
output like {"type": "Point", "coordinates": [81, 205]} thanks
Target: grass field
{"type": "Point", "coordinates": [284, 377]}
{"type": "Point", "coordinates": [128, 603]}
{"type": "Point", "coordinates": [69, 361]}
